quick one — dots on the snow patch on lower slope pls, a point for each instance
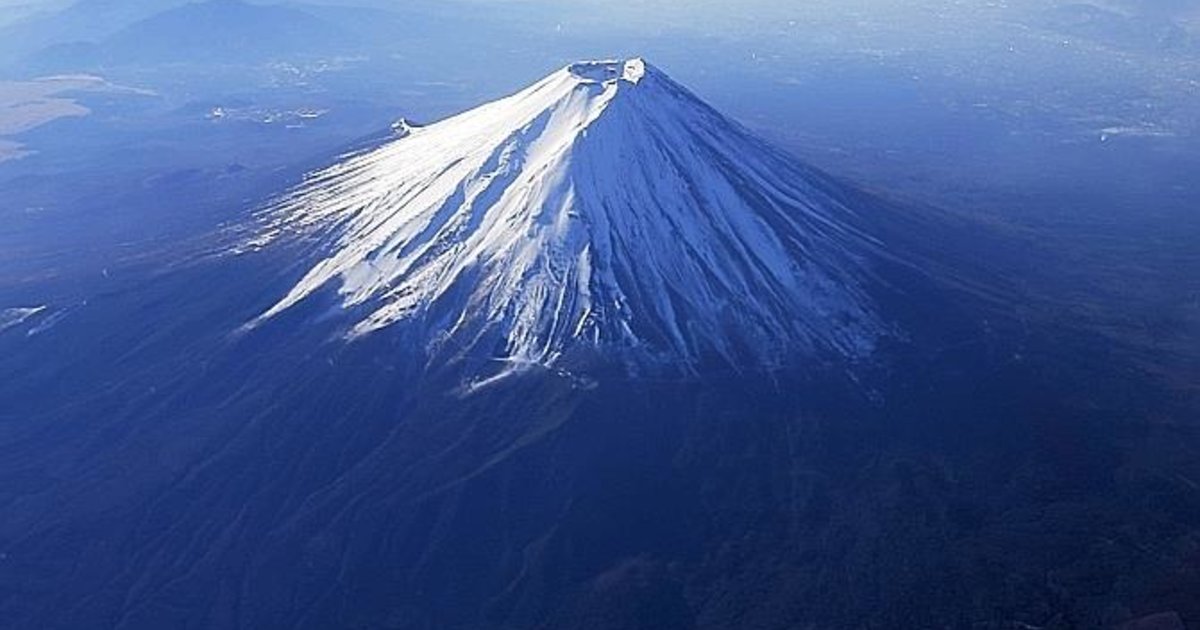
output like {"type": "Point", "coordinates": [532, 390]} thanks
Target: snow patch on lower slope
{"type": "Point", "coordinates": [11, 317]}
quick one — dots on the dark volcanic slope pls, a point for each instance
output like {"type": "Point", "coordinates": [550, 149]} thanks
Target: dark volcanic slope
{"type": "Point", "coordinates": [172, 475]}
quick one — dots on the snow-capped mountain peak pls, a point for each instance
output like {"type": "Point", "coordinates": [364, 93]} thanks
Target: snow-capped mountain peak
{"type": "Point", "coordinates": [605, 209]}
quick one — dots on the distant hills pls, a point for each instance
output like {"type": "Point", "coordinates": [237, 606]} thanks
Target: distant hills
{"type": "Point", "coordinates": [224, 30]}
{"type": "Point", "coordinates": [82, 21]}
{"type": "Point", "coordinates": [98, 35]}
{"type": "Point", "coordinates": [1149, 31]}
{"type": "Point", "coordinates": [210, 32]}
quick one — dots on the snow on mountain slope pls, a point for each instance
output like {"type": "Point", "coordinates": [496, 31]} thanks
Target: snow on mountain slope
{"type": "Point", "coordinates": [11, 317]}
{"type": "Point", "coordinates": [604, 208]}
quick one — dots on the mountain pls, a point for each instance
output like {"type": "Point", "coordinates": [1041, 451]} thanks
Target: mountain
{"type": "Point", "coordinates": [1148, 29]}
{"type": "Point", "coordinates": [114, 35]}
{"type": "Point", "coordinates": [214, 31]}
{"type": "Point", "coordinates": [82, 21]}
{"type": "Point", "coordinates": [972, 459]}
{"type": "Point", "coordinates": [603, 210]}
{"type": "Point", "coordinates": [225, 30]}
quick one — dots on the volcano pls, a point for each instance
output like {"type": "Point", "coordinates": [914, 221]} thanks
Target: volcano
{"type": "Point", "coordinates": [590, 357]}
{"type": "Point", "coordinates": [605, 210]}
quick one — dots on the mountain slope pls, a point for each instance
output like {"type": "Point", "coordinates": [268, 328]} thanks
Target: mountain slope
{"type": "Point", "coordinates": [605, 208]}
